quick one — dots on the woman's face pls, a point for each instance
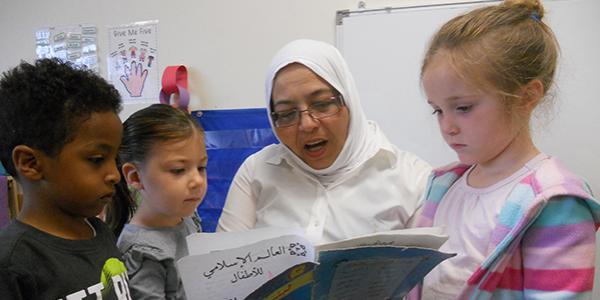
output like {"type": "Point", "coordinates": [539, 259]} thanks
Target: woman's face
{"type": "Point", "coordinates": [318, 142]}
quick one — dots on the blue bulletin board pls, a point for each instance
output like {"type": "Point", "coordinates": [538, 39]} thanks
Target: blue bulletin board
{"type": "Point", "coordinates": [231, 135]}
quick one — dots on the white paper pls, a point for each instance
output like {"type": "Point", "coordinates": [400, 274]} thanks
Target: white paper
{"type": "Point", "coordinates": [238, 272]}
{"type": "Point", "coordinates": [205, 242]}
{"type": "Point", "coordinates": [423, 237]}
{"type": "Point", "coordinates": [76, 44]}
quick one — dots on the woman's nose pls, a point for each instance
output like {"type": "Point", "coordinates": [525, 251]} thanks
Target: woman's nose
{"type": "Point", "coordinates": [307, 122]}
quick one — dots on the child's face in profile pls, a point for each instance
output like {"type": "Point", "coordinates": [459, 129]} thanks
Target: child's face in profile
{"type": "Point", "coordinates": [475, 124]}
{"type": "Point", "coordinates": [81, 179]}
{"type": "Point", "coordinates": [173, 178]}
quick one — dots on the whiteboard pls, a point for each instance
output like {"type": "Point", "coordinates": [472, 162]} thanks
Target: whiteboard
{"type": "Point", "coordinates": [384, 49]}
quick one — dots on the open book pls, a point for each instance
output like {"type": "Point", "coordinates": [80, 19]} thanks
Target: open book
{"type": "Point", "coordinates": [273, 263]}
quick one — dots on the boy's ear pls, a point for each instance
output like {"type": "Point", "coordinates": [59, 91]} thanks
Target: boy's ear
{"type": "Point", "coordinates": [132, 175]}
{"type": "Point", "coordinates": [28, 162]}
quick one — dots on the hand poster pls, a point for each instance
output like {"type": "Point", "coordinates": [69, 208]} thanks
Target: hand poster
{"type": "Point", "coordinates": [132, 61]}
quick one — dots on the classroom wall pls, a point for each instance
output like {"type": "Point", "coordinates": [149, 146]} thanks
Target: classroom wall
{"type": "Point", "coordinates": [226, 44]}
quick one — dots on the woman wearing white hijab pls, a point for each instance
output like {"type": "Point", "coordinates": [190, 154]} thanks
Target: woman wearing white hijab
{"type": "Point", "coordinates": [334, 175]}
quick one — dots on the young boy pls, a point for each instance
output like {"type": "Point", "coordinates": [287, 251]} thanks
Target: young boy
{"type": "Point", "coordinates": [59, 137]}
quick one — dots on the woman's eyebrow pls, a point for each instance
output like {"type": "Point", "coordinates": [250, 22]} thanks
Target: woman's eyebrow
{"type": "Point", "coordinates": [283, 102]}
{"type": "Point", "coordinates": [321, 91]}
{"type": "Point", "coordinates": [311, 95]}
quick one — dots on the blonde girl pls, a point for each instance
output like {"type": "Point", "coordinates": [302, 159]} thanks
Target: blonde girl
{"type": "Point", "coordinates": [523, 225]}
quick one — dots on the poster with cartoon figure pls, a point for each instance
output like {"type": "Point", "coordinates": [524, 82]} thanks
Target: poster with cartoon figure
{"type": "Point", "coordinates": [132, 61]}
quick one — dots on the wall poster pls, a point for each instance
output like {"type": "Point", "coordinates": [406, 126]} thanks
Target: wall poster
{"type": "Point", "coordinates": [133, 61]}
{"type": "Point", "coordinates": [76, 43]}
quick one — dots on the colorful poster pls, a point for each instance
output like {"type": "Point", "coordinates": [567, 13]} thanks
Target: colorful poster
{"type": "Point", "coordinates": [76, 43]}
{"type": "Point", "coordinates": [133, 61]}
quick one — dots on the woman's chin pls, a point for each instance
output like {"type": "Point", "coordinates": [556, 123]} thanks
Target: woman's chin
{"type": "Point", "coordinates": [318, 164]}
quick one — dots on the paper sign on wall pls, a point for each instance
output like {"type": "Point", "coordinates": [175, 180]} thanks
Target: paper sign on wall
{"type": "Point", "coordinates": [133, 61]}
{"type": "Point", "coordinates": [76, 44]}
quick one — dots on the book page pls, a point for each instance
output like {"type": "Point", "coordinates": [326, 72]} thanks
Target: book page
{"type": "Point", "coordinates": [235, 273]}
{"type": "Point", "coordinates": [375, 278]}
{"type": "Point", "coordinates": [422, 237]}
{"type": "Point", "coordinates": [294, 283]}
{"type": "Point", "coordinates": [205, 242]}
{"type": "Point", "coordinates": [376, 272]}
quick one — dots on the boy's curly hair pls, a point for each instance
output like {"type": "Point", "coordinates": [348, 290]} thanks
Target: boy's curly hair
{"type": "Point", "coordinates": [42, 105]}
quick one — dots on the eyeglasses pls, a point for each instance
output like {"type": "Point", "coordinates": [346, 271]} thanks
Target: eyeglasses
{"type": "Point", "coordinates": [317, 110]}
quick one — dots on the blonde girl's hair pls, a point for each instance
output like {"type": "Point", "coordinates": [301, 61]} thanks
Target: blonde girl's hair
{"type": "Point", "coordinates": [499, 48]}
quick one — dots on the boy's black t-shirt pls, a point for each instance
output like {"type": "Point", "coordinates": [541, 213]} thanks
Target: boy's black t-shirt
{"type": "Point", "coordinates": [37, 265]}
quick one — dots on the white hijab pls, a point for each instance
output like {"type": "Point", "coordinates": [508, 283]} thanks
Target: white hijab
{"type": "Point", "coordinates": [364, 137]}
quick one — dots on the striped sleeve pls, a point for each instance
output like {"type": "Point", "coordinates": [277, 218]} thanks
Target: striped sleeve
{"type": "Point", "coordinates": [558, 253]}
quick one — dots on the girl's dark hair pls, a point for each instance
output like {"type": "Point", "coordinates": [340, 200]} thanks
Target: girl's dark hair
{"type": "Point", "coordinates": [142, 131]}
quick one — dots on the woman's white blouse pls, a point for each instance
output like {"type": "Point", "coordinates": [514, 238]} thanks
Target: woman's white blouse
{"type": "Point", "coordinates": [382, 194]}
